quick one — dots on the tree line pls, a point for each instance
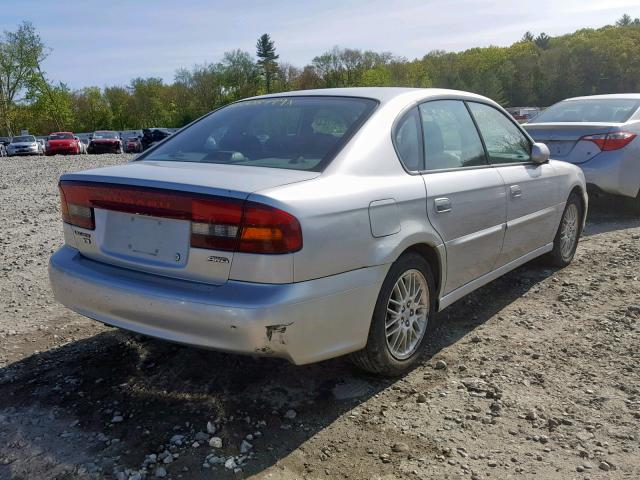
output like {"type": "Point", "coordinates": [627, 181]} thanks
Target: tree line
{"type": "Point", "coordinates": [538, 70]}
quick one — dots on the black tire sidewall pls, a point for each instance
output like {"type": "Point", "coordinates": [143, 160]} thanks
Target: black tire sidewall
{"type": "Point", "coordinates": [557, 250]}
{"type": "Point", "coordinates": [377, 348]}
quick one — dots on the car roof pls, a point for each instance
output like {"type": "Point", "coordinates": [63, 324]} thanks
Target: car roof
{"type": "Point", "coordinates": [382, 94]}
{"type": "Point", "coordinates": [609, 96]}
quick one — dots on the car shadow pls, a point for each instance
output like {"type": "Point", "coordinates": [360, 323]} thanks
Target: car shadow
{"type": "Point", "coordinates": [609, 213]}
{"type": "Point", "coordinates": [161, 389]}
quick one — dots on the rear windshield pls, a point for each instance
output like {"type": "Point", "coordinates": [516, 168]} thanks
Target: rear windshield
{"type": "Point", "coordinates": [298, 133]}
{"type": "Point", "coordinates": [60, 136]}
{"type": "Point", "coordinates": [594, 110]}
{"type": "Point", "coordinates": [105, 135]}
{"type": "Point", "coordinates": [24, 139]}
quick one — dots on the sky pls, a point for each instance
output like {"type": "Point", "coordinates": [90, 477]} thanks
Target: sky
{"type": "Point", "coordinates": [105, 43]}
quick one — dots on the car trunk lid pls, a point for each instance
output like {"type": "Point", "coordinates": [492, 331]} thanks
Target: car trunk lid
{"type": "Point", "coordinates": [158, 242]}
{"type": "Point", "coordinates": [564, 139]}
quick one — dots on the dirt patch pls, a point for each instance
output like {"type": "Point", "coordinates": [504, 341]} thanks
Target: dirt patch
{"type": "Point", "coordinates": [533, 376]}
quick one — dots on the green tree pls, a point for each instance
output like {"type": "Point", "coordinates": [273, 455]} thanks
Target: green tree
{"type": "Point", "coordinates": [542, 41]}
{"type": "Point", "coordinates": [266, 53]}
{"type": "Point", "coordinates": [527, 37]}
{"type": "Point", "coordinates": [21, 53]}
{"type": "Point", "coordinates": [239, 75]}
{"type": "Point", "coordinates": [152, 105]}
{"type": "Point", "coordinates": [120, 102]}
{"type": "Point", "coordinates": [52, 107]}
{"type": "Point", "coordinates": [624, 21]}
{"type": "Point", "coordinates": [92, 111]}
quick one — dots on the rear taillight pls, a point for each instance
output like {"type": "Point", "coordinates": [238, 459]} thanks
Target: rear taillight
{"type": "Point", "coordinates": [74, 208]}
{"type": "Point", "coordinates": [216, 223]}
{"type": "Point", "coordinates": [610, 141]}
{"type": "Point", "coordinates": [266, 229]}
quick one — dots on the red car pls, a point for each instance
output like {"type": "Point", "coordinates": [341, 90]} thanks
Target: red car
{"type": "Point", "coordinates": [133, 145]}
{"type": "Point", "coordinates": [105, 141]}
{"type": "Point", "coordinates": [63, 142]}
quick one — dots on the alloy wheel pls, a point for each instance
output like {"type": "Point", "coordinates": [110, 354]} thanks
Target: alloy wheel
{"type": "Point", "coordinates": [569, 231]}
{"type": "Point", "coordinates": [407, 314]}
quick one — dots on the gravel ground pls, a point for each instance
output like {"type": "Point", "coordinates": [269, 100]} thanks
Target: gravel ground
{"type": "Point", "coordinates": [533, 376]}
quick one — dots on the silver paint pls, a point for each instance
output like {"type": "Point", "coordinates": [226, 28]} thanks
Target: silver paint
{"type": "Point", "coordinates": [357, 217]}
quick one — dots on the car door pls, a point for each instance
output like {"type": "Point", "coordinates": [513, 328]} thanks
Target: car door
{"type": "Point", "coordinates": [465, 196]}
{"type": "Point", "coordinates": [532, 191]}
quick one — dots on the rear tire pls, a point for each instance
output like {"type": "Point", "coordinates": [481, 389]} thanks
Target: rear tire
{"type": "Point", "coordinates": [402, 318]}
{"type": "Point", "coordinates": [565, 242]}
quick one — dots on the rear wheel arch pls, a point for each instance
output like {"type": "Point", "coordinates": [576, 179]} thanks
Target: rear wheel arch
{"type": "Point", "coordinates": [433, 258]}
{"type": "Point", "coordinates": [579, 193]}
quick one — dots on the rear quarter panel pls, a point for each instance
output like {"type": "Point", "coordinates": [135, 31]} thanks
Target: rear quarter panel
{"type": "Point", "coordinates": [569, 178]}
{"type": "Point", "coordinates": [334, 216]}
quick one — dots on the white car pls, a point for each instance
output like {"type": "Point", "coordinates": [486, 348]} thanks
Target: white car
{"type": "Point", "coordinates": [23, 145]}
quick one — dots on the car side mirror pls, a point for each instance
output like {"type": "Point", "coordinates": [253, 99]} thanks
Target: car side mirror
{"type": "Point", "coordinates": [540, 153]}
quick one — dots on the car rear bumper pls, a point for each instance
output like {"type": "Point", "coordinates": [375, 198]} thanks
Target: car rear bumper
{"type": "Point", "coordinates": [616, 172]}
{"type": "Point", "coordinates": [303, 322]}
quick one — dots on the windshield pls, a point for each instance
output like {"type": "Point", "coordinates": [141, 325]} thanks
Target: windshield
{"type": "Point", "coordinates": [105, 135]}
{"type": "Point", "coordinates": [60, 136]}
{"type": "Point", "coordinates": [614, 110]}
{"type": "Point", "coordinates": [298, 133]}
{"type": "Point", "coordinates": [24, 139]}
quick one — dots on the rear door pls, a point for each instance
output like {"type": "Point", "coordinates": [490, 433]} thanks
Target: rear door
{"type": "Point", "coordinates": [465, 195]}
{"type": "Point", "coordinates": [533, 191]}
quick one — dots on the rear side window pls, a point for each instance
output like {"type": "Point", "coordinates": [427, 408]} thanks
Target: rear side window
{"type": "Point", "coordinates": [407, 141]}
{"type": "Point", "coordinates": [450, 137]}
{"type": "Point", "coordinates": [504, 141]}
{"type": "Point", "coordinates": [298, 133]}
{"type": "Point", "coordinates": [590, 110]}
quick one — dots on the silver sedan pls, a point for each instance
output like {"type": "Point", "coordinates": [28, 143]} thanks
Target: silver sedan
{"type": "Point", "coordinates": [308, 225]}
{"type": "Point", "coordinates": [598, 133]}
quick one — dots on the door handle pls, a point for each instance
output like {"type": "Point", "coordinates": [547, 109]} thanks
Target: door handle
{"type": "Point", "coordinates": [443, 205]}
{"type": "Point", "coordinates": [516, 191]}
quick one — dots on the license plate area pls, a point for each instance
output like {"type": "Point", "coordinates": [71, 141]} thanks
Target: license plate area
{"type": "Point", "coordinates": [144, 239]}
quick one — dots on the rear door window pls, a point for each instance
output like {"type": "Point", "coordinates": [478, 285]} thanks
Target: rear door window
{"type": "Point", "coordinates": [451, 139]}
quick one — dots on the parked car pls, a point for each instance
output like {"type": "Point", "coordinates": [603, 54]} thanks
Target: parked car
{"type": "Point", "coordinates": [133, 145]}
{"type": "Point", "coordinates": [523, 114]}
{"type": "Point", "coordinates": [64, 143]}
{"type": "Point", "coordinates": [599, 134]}
{"type": "Point", "coordinates": [151, 136]}
{"type": "Point", "coordinates": [81, 144]}
{"type": "Point", "coordinates": [307, 225]}
{"type": "Point", "coordinates": [23, 145]}
{"type": "Point", "coordinates": [105, 141]}
{"type": "Point", "coordinates": [4, 143]}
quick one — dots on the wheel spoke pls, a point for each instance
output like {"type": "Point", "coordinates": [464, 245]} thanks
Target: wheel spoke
{"type": "Point", "coordinates": [404, 332]}
{"type": "Point", "coordinates": [392, 323]}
